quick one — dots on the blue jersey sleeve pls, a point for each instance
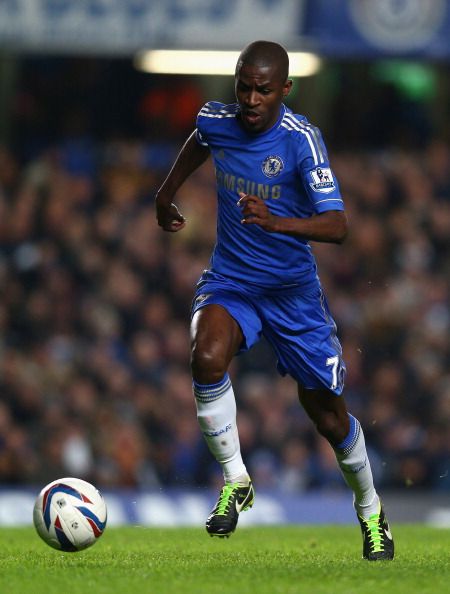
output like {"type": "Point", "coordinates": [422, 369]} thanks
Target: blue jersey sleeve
{"type": "Point", "coordinates": [206, 117]}
{"type": "Point", "coordinates": [201, 139]}
{"type": "Point", "coordinates": [201, 131]}
{"type": "Point", "coordinates": [211, 120]}
{"type": "Point", "coordinates": [318, 178]}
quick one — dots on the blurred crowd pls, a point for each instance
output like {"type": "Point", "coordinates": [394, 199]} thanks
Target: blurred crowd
{"type": "Point", "coordinates": [94, 315]}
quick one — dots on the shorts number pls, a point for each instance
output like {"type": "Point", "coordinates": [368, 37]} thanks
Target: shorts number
{"type": "Point", "coordinates": [333, 362]}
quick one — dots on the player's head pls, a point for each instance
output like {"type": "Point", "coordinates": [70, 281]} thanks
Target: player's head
{"type": "Point", "coordinates": [261, 84]}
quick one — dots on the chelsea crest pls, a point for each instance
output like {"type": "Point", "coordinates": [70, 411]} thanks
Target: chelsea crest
{"type": "Point", "coordinates": [272, 165]}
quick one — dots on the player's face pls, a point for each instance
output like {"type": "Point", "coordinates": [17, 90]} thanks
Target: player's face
{"type": "Point", "coordinates": [259, 92]}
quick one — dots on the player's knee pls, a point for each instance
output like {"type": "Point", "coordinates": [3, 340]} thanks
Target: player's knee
{"type": "Point", "coordinates": [207, 365]}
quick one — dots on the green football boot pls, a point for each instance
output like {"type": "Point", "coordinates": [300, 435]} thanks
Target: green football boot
{"type": "Point", "coordinates": [378, 544]}
{"type": "Point", "coordinates": [233, 499]}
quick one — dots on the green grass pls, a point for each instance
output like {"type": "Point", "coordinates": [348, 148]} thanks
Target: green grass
{"type": "Point", "coordinates": [275, 560]}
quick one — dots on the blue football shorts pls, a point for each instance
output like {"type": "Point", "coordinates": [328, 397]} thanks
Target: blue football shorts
{"type": "Point", "coordinates": [297, 324]}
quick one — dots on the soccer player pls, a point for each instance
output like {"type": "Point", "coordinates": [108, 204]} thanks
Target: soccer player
{"type": "Point", "coordinates": [276, 192]}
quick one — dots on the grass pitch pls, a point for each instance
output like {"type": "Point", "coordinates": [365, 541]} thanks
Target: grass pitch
{"type": "Point", "coordinates": [275, 560]}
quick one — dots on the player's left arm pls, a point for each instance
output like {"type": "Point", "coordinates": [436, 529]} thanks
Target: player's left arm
{"type": "Point", "coordinates": [330, 226]}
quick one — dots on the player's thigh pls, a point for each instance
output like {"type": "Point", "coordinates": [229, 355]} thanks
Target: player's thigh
{"type": "Point", "coordinates": [215, 334]}
{"type": "Point", "coordinates": [234, 321]}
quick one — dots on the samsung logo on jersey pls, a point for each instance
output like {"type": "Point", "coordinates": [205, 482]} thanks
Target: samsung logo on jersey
{"type": "Point", "coordinates": [235, 184]}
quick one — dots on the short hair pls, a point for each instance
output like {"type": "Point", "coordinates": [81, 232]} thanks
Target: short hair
{"type": "Point", "coordinates": [263, 54]}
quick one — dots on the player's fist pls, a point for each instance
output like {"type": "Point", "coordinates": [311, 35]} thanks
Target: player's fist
{"type": "Point", "coordinates": [169, 217]}
{"type": "Point", "coordinates": [255, 211]}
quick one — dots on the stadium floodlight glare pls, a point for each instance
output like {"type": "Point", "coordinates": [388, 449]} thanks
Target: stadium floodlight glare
{"type": "Point", "coordinates": [213, 62]}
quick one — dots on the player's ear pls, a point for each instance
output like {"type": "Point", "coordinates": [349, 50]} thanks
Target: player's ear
{"type": "Point", "coordinates": [287, 87]}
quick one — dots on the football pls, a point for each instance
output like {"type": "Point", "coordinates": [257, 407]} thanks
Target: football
{"type": "Point", "coordinates": [70, 514]}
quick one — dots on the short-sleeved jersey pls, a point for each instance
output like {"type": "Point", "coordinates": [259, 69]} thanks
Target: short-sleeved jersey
{"type": "Point", "coordinates": [288, 167]}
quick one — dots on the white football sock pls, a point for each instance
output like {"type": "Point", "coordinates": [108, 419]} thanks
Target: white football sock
{"type": "Point", "coordinates": [354, 463]}
{"type": "Point", "coordinates": [216, 414]}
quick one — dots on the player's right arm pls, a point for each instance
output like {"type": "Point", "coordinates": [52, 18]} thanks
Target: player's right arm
{"type": "Point", "coordinates": [190, 157]}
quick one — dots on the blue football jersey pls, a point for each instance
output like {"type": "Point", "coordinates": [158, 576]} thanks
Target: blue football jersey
{"type": "Point", "coordinates": [288, 167]}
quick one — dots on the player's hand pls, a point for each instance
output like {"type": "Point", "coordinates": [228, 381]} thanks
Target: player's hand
{"type": "Point", "coordinates": [255, 212]}
{"type": "Point", "coordinates": [169, 217]}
